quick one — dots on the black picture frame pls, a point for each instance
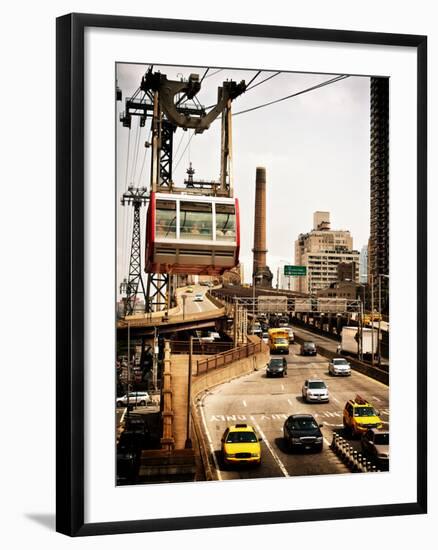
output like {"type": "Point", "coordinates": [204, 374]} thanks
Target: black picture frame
{"type": "Point", "coordinates": [70, 272]}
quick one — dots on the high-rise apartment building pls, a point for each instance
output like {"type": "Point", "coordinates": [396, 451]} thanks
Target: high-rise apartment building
{"type": "Point", "coordinates": [321, 250]}
{"type": "Point", "coordinates": [363, 265]}
{"type": "Point", "coordinates": [378, 250]}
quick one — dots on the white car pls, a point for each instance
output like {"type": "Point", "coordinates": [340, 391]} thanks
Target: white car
{"type": "Point", "coordinates": [136, 398]}
{"type": "Point", "coordinates": [199, 297]}
{"type": "Point", "coordinates": [291, 334]}
{"type": "Point", "coordinates": [315, 390]}
{"type": "Point", "coordinates": [339, 366]}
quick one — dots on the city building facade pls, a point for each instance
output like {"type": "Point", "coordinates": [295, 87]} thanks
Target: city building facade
{"type": "Point", "coordinates": [363, 265]}
{"type": "Point", "coordinates": [348, 271]}
{"type": "Point", "coordinates": [378, 249]}
{"type": "Point", "coordinates": [349, 290]}
{"type": "Point", "coordinates": [321, 251]}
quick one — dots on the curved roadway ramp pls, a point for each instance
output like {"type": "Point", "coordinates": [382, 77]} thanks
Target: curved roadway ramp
{"type": "Point", "coordinates": [188, 310]}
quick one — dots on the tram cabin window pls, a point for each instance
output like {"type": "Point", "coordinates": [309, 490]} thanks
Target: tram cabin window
{"type": "Point", "coordinates": [225, 222]}
{"type": "Point", "coordinates": [196, 221]}
{"type": "Point", "coordinates": [165, 219]}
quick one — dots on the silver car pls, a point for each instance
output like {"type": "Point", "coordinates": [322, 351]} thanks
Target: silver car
{"type": "Point", "coordinates": [339, 366]}
{"type": "Point", "coordinates": [136, 398]}
{"type": "Point", "coordinates": [315, 391]}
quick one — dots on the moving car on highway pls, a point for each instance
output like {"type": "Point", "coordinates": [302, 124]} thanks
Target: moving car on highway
{"type": "Point", "coordinates": [240, 445]}
{"type": "Point", "coordinates": [308, 348]}
{"type": "Point", "coordinates": [256, 329]}
{"type": "Point", "coordinates": [135, 398]}
{"type": "Point", "coordinates": [315, 391]}
{"type": "Point", "coordinates": [339, 366]}
{"type": "Point", "coordinates": [199, 297]}
{"type": "Point", "coordinates": [301, 431]}
{"type": "Point", "coordinates": [276, 367]}
{"type": "Point", "coordinates": [359, 416]}
{"type": "Point", "coordinates": [375, 443]}
{"type": "Point", "coordinates": [291, 334]}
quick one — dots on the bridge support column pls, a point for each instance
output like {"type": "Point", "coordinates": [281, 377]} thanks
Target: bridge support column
{"type": "Point", "coordinates": [167, 441]}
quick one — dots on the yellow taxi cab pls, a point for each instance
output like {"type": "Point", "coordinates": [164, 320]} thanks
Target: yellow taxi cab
{"type": "Point", "coordinates": [189, 289]}
{"type": "Point", "coordinates": [359, 416]}
{"type": "Point", "coordinates": [240, 445]}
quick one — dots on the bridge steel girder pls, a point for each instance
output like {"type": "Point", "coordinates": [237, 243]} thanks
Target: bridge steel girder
{"type": "Point", "coordinates": [304, 305]}
{"type": "Point", "coordinates": [157, 292]}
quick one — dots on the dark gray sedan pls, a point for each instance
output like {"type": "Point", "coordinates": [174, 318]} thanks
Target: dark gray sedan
{"type": "Point", "coordinates": [302, 432]}
{"type": "Point", "coordinates": [276, 367]}
{"type": "Point", "coordinates": [375, 444]}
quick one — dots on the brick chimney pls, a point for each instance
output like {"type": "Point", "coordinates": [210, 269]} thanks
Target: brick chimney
{"type": "Point", "coordinates": [261, 272]}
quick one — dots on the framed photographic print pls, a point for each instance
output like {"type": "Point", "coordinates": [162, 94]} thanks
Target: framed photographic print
{"type": "Point", "coordinates": [241, 274]}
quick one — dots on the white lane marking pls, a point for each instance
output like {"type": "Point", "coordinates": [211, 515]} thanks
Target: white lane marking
{"type": "Point", "coordinates": [290, 402]}
{"type": "Point", "coordinates": [334, 399]}
{"type": "Point", "coordinates": [282, 387]}
{"type": "Point", "coordinates": [210, 442]}
{"type": "Point", "coordinates": [271, 450]}
{"type": "Point", "coordinates": [376, 398]}
{"type": "Point", "coordinates": [244, 403]}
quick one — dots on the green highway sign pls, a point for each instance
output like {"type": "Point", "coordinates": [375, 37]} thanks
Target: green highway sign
{"type": "Point", "coordinates": [295, 270]}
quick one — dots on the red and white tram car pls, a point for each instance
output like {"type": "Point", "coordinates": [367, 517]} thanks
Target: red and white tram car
{"type": "Point", "coordinates": [192, 234]}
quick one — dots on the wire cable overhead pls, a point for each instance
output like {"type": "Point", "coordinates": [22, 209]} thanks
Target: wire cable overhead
{"type": "Point", "coordinates": [317, 86]}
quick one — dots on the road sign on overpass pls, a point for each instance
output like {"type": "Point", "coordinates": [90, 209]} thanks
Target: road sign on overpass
{"type": "Point", "coordinates": [295, 270]}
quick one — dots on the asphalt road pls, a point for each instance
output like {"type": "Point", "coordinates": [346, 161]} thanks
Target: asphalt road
{"type": "Point", "coordinates": [192, 306]}
{"type": "Point", "coordinates": [265, 403]}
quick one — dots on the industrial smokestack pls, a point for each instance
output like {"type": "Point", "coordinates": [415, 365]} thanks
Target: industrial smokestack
{"type": "Point", "coordinates": [262, 275]}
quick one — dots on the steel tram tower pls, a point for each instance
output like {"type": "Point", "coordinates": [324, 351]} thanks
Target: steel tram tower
{"type": "Point", "coordinates": [166, 103]}
{"type": "Point", "coordinates": [136, 197]}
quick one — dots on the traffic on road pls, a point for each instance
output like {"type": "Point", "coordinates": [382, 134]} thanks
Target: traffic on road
{"type": "Point", "coordinates": [294, 414]}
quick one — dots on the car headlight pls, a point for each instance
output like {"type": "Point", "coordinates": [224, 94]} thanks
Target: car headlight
{"type": "Point", "coordinates": [254, 454]}
{"type": "Point", "coordinates": [295, 440]}
{"type": "Point", "coordinates": [319, 439]}
{"type": "Point", "coordinates": [231, 455]}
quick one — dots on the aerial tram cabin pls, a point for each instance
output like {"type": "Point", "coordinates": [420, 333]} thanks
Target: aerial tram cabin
{"type": "Point", "coordinates": [191, 234]}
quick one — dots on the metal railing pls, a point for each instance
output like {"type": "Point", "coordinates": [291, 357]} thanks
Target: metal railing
{"type": "Point", "coordinates": [200, 347]}
{"type": "Point", "coordinates": [353, 459]}
{"type": "Point", "coordinates": [227, 357]}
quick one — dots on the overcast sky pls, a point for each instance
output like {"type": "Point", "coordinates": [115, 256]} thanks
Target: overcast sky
{"type": "Point", "coordinates": [315, 148]}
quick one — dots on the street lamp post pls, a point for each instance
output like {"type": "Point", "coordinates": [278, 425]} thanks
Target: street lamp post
{"type": "Point", "coordinates": [361, 313]}
{"type": "Point", "coordinates": [128, 373]}
{"type": "Point", "coordinates": [372, 320]}
{"type": "Point", "coordinates": [188, 443]}
{"type": "Point", "coordinates": [253, 302]}
{"type": "Point", "coordinates": [155, 361]}
{"type": "Point", "coordinates": [184, 298]}
{"type": "Point", "coordinates": [380, 316]}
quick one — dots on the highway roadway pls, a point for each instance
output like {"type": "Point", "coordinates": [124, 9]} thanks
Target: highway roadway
{"type": "Point", "coordinates": [191, 305]}
{"type": "Point", "coordinates": [265, 403]}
